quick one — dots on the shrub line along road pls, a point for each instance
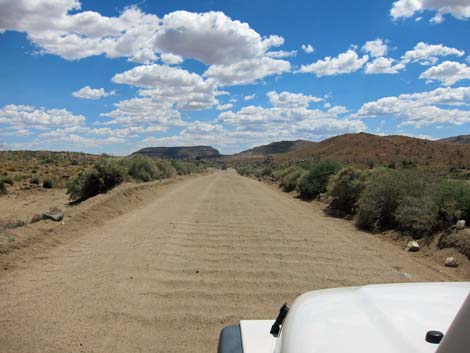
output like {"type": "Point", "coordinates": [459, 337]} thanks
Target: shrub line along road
{"type": "Point", "coordinates": [168, 276]}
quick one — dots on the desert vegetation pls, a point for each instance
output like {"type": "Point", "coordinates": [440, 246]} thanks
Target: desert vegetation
{"type": "Point", "coordinates": [414, 201]}
{"type": "Point", "coordinates": [3, 189]}
{"type": "Point", "coordinates": [107, 173]}
{"type": "Point", "coordinates": [26, 170]}
{"type": "Point", "coordinates": [83, 175]}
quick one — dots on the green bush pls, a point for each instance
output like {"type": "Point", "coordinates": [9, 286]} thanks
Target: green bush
{"type": "Point", "coordinates": [263, 172]}
{"type": "Point", "coordinates": [452, 199]}
{"type": "Point", "coordinates": [75, 185]}
{"type": "Point", "coordinates": [416, 216]}
{"type": "Point", "coordinates": [35, 181]}
{"type": "Point", "coordinates": [181, 167]}
{"type": "Point", "coordinates": [290, 177]}
{"type": "Point", "coordinates": [9, 181]}
{"type": "Point", "coordinates": [186, 168]}
{"type": "Point", "coordinates": [48, 183]}
{"type": "Point", "coordinates": [384, 192]}
{"type": "Point", "coordinates": [105, 175]}
{"type": "Point", "coordinates": [165, 169]}
{"type": "Point", "coordinates": [346, 187]}
{"type": "Point", "coordinates": [141, 168]}
{"type": "Point", "coordinates": [3, 189]}
{"type": "Point", "coordinates": [315, 181]}
{"type": "Point", "coordinates": [243, 170]}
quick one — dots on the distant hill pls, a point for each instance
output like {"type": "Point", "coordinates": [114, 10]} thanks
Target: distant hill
{"type": "Point", "coordinates": [464, 139]}
{"type": "Point", "coordinates": [189, 152]}
{"type": "Point", "coordinates": [364, 148]}
{"type": "Point", "coordinates": [275, 148]}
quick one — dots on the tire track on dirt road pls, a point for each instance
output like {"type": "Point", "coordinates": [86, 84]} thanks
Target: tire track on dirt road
{"type": "Point", "coordinates": [166, 277]}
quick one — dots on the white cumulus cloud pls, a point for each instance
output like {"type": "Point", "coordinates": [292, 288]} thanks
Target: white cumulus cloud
{"type": "Point", "coordinates": [428, 54]}
{"type": "Point", "coordinates": [422, 109]}
{"type": "Point", "coordinates": [308, 48]}
{"type": "Point", "coordinates": [280, 54]}
{"type": "Point", "coordinates": [375, 48]}
{"type": "Point", "coordinates": [291, 100]}
{"type": "Point", "coordinates": [224, 106]}
{"type": "Point", "coordinates": [138, 111]}
{"type": "Point", "coordinates": [92, 93]}
{"type": "Point", "coordinates": [171, 59]}
{"type": "Point", "coordinates": [171, 85]}
{"type": "Point", "coordinates": [212, 38]}
{"type": "Point", "coordinates": [407, 8]}
{"type": "Point", "coordinates": [75, 35]}
{"type": "Point", "coordinates": [448, 72]}
{"type": "Point", "coordinates": [247, 71]}
{"type": "Point", "coordinates": [26, 116]}
{"type": "Point", "coordinates": [344, 63]}
{"type": "Point", "coordinates": [59, 27]}
{"type": "Point", "coordinates": [383, 65]}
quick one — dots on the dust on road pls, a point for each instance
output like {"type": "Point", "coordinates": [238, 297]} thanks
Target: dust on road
{"type": "Point", "coordinates": [168, 276]}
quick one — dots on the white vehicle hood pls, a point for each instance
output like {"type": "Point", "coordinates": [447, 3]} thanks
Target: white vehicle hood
{"type": "Point", "coordinates": [391, 318]}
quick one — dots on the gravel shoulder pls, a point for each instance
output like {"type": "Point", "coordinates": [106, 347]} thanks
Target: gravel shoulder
{"type": "Point", "coordinates": [166, 275]}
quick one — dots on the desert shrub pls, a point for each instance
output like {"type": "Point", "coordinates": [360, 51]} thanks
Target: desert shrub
{"type": "Point", "coordinates": [35, 181]}
{"type": "Point", "coordinates": [74, 162]}
{"type": "Point", "coordinates": [181, 167]}
{"type": "Point", "coordinates": [263, 172]}
{"type": "Point", "coordinates": [247, 170]}
{"type": "Point", "coordinates": [384, 192]}
{"type": "Point", "coordinates": [75, 185]}
{"type": "Point", "coordinates": [141, 168]}
{"type": "Point", "coordinates": [417, 216]}
{"type": "Point", "coordinates": [315, 181]}
{"type": "Point", "coordinates": [165, 169]}
{"type": "Point", "coordinates": [48, 183]}
{"type": "Point", "coordinates": [185, 167]}
{"type": "Point", "coordinates": [3, 189]}
{"type": "Point", "coordinates": [346, 187]}
{"type": "Point", "coordinates": [105, 175]}
{"type": "Point", "coordinates": [8, 180]}
{"type": "Point", "coordinates": [290, 177]}
{"type": "Point", "coordinates": [277, 174]}
{"type": "Point", "coordinates": [452, 199]}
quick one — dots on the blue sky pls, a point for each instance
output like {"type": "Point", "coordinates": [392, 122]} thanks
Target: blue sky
{"type": "Point", "coordinates": [115, 76]}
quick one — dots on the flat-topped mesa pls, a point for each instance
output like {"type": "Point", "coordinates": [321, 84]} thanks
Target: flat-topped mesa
{"type": "Point", "coordinates": [185, 152]}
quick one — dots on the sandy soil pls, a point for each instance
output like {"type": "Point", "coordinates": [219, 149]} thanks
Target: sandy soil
{"type": "Point", "coordinates": [166, 276]}
{"type": "Point", "coordinates": [22, 205]}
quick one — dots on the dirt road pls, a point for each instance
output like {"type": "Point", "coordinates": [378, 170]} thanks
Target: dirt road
{"type": "Point", "coordinates": [166, 277]}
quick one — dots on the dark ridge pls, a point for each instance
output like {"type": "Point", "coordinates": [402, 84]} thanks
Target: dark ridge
{"type": "Point", "coordinates": [461, 139]}
{"type": "Point", "coordinates": [187, 152]}
{"type": "Point", "coordinates": [275, 148]}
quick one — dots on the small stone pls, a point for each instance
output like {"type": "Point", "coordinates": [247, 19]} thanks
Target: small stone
{"type": "Point", "coordinates": [451, 262]}
{"type": "Point", "coordinates": [460, 225]}
{"type": "Point", "coordinates": [55, 216]}
{"type": "Point", "coordinates": [412, 246]}
{"type": "Point", "coordinates": [406, 275]}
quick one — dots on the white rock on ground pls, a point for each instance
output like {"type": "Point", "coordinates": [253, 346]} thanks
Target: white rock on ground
{"type": "Point", "coordinates": [55, 216]}
{"type": "Point", "coordinates": [451, 262]}
{"type": "Point", "coordinates": [460, 224]}
{"type": "Point", "coordinates": [412, 246]}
